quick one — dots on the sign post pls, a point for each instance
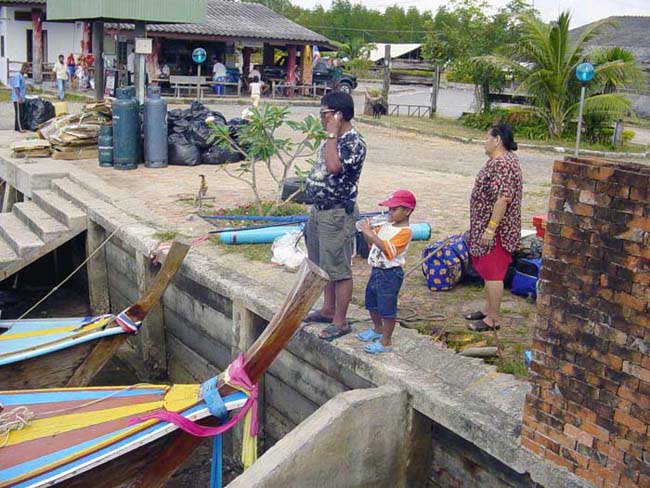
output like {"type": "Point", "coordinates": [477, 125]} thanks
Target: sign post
{"type": "Point", "coordinates": [584, 73]}
{"type": "Point", "coordinates": [198, 56]}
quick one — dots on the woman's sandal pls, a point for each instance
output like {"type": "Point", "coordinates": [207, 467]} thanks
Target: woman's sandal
{"type": "Point", "coordinates": [332, 332]}
{"type": "Point", "coordinates": [482, 326]}
{"type": "Point", "coordinates": [475, 316]}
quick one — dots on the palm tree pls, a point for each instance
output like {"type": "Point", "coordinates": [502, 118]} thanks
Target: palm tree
{"type": "Point", "coordinates": [545, 61]}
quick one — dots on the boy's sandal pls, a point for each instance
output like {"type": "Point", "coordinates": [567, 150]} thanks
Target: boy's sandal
{"type": "Point", "coordinates": [475, 316]}
{"type": "Point", "coordinates": [368, 335]}
{"type": "Point", "coordinates": [377, 348]}
{"type": "Point", "coordinates": [332, 332]}
{"type": "Point", "coordinates": [317, 317]}
{"type": "Point", "coordinates": [482, 326]}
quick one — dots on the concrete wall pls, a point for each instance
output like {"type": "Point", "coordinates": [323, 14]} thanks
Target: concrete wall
{"type": "Point", "coordinates": [359, 438]}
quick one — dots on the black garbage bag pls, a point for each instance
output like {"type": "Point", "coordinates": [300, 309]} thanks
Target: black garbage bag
{"type": "Point", "coordinates": [200, 134]}
{"type": "Point", "coordinates": [37, 112]}
{"type": "Point", "coordinates": [293, 185]}
{"type": "Point", "coordinates": [182, 126]}
{"type": "Point", "coordinates": [182, 152]}
{"type": "Point", "coordinates": [218, 155]}
{"type": "Point", "coordinates": [198, 111]}
{"type": "Point", "coordinates": [219, 119]}
{"type": "Point", "coordinates": [174, 115]}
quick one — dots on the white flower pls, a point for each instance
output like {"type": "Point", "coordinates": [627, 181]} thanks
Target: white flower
{"type": "Point", "coordinates": [209, 119]}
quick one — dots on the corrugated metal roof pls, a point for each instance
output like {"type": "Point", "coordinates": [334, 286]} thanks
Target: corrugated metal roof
{"type": "Point", "coordinates": [239, 20]}
{"type": "Point", "coordinates": [143, 10]}
{"type": "Point", "coordinates": [396, 50]}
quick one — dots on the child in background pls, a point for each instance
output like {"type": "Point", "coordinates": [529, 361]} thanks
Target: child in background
{"type": "Point", "coordinates": [255, 89]}
{"type": "Point", "coordinates": [390, 242]}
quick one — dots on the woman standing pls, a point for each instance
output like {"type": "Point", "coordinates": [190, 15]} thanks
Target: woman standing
{"type": "Point", "coordinates": [495, 221]}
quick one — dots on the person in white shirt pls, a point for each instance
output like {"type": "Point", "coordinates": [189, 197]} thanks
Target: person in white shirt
{"type": "Point", "coordinates": [61, 71]}
{"type": "Point", "coordinates": [130, 65]}
{"type": "Point", "coordinates": [255, 89]}
{"type": "Point", "coordinates": [164, 70]}
{"type": "Point", "coordinates": [219, 75]}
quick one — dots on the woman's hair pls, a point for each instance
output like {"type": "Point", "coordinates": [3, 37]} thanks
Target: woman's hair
{"type": "Point", "coordinates": [504, 131]}
{"type": "Point", "coordinates": [256, 79]}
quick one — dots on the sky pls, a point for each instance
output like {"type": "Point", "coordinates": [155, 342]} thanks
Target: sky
{"type": "Point", "coordinates": [583, 11]}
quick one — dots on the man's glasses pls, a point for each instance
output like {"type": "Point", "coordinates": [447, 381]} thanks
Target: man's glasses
{"type": "Point", "coordinates": [327, 111]}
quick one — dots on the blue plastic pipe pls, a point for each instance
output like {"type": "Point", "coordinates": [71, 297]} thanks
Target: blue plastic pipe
{"type": "Point", "coordinates": [421, 232]}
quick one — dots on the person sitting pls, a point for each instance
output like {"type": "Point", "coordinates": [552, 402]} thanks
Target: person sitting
{"type": "Point", "coordinates": [219, 75]}
{"type": "Point", "coordinates": [164, 70]}
{"type": "Point", "coordinates": [390, 241]}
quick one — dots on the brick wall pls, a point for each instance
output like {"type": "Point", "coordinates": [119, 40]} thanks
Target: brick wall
{"type": "Point", "coordinates": [589, 407]}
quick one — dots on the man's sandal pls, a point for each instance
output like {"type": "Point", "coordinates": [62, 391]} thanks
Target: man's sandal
{"type": "Point", "coordinates": [482, 326]}
{"type": "Point", "coordinates": [317, 317]}
{"type": "Point", "coordinates": [475, 316]}
{"type": "Point", "coordinates": [332, 332]}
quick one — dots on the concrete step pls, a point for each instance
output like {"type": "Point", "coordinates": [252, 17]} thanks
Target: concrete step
{"type": "Point", "coordinates": [39, 221]}
{"type": "Point", "coordinates": [75, 193]}
{"type": "Point", "coordinates": [62, 209]}
{"type": "Point", "coordinates": [21, 239]}
{"type": "Point", "coordinates": [7, 255]}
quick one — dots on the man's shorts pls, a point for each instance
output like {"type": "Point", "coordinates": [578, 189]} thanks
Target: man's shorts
{"type": "Point", "coordinates": [382, 290]}
{"type": "Point", "coordinates": [329, 235]}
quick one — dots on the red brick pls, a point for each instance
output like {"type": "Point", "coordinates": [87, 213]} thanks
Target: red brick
{"type": "Point", "coordinates": [590, 476]}
{"type": "Point", "coordinates": [608, 475]}
{"type": "Point", "coordinates": [640, 223]}
{"type": "Point", "coordinates": [559, 460]}
{"type": "Point", "coordinates": [629, 421]}
{"type": "Point", "coordinates": [533, 446]}
{"type": "Point", "coordinates": [580, 460]}
{"type": "Point", "coordinates": [630, 301]}
{"type": "Point", "coordinates": [579, 435]}
{"type": "Point", "coordinates": [642, 373]}
{"type": "Point", "coordinates": [600, 174]}
{"type": "Point", "coordinates": [596, 431]}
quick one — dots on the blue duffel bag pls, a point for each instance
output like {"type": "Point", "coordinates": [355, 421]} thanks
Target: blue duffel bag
{"type": "Point", "coordinates": [524, 281]}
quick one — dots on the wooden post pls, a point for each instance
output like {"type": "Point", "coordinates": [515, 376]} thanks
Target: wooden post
{"type": "Point", "coordinates": [98, 50]}
{"type": "Point", "coordinates": [386, 87]}
{"type": "Point", "coordinates": [434, 91]}
{"type": "Point", "coordinates": [306, 67]}
{"type": "Point", "coordinates": [246, 54]}
{"type": "Point", "coordinates": [37, 46]}
{"type": "Point", "coordinates": [291, 68]}
{"type": "Point", "coordinates": [267, 55]}
{"type": "Point", "coordinates": [97, 270]}
{"type": "Point", "coordinates": [152, 332]}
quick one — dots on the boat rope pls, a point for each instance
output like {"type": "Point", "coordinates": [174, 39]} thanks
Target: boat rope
{"type": "Point", "coordinates": [236, 377]}
{"type": "Point", "coordinates": [15, 419]}
{"type": "Point", "coordinates": [65, 280]}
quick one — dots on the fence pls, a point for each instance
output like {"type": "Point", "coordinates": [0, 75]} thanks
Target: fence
{"type": "Point", "coordinates": [411, 110]}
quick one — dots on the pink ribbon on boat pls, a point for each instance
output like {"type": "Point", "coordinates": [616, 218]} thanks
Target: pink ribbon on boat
{"type": "Point", "coordinates": [239, 380]}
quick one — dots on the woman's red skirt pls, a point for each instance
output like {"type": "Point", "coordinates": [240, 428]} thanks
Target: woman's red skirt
{"type": "Point", "coordinates": [493, 265]}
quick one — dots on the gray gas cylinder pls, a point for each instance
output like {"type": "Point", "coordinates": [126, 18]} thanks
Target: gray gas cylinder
{"type": "Point", "coordinates": [105, 145]}
{"type": "Point", "coordinates": [155, 129]}
{"type": "Point", "coordinates": [126, 130]}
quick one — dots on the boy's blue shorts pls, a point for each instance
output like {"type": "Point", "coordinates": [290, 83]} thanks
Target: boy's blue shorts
{"type": "Point", "coordinates": [382, 290]}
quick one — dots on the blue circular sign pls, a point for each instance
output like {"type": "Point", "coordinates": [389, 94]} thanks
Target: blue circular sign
{"type": "Point", "coordinates": [585, 72]}
{"type": "Point", "coordinates": [199, 55]}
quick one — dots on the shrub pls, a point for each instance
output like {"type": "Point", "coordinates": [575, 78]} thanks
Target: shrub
{"type": "Point", "coordinates": [627, 136]}
{"type": "Point", "coordinates": [525, 124]}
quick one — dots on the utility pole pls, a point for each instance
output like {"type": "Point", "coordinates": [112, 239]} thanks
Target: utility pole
{"type": "Point", "coordinates": [434, 91]}
{"type": "Point", "coordinates": [386, 87]}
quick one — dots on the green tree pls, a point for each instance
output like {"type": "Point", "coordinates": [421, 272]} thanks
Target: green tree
{"type": "Point", "coordinates": [545, 61]}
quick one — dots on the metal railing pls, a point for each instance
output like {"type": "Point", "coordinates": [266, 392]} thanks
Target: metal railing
{"type": "Point", "coordinates": [411, 110]}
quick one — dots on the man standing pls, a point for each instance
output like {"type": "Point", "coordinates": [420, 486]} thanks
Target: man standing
{"type": "Point", "coordinates": [130, 66]}
{"type": "Point", "coordinates": [18, 97]}
{"type": "Point", "coordinates": [219, 75]}
{"type": "Point", "coordinates": [61, 71]}
{"type": "Point", "coordinates": [333, 185]}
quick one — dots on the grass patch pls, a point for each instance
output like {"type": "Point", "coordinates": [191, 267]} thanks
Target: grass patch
{"type": "Point", "coordinates": [443, 126]}
{"type": "Point", "coordinates": [5, 95]}
{"type": "Point", "coordinates": [165, 235]}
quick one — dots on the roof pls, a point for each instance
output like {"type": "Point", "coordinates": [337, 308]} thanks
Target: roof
{"type": "Point", "coordinates": [239, 20]}
{"type": "Point", "coordinates": [140, 10]}
{"type": "Point", "coordinates": [396, 50]}
{"type": "Point", "coordinates": [630, 33]}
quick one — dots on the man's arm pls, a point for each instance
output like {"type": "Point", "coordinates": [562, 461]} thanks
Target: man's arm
{"type": "Point", "coordinates": [332, 161]}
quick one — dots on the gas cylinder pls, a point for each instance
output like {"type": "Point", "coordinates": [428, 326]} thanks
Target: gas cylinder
{"type": "Point", "coordinates": [155, 129]}
{"type": "Point", "coordinates": [105, 145]}
{"type": "Point", "coordinates": [126, 130]}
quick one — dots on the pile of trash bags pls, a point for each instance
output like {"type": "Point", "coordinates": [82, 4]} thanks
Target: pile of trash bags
{"type": "Point", "coordinates": [37, 112]}
{"type": "Point", "coordinates": [189, 137]}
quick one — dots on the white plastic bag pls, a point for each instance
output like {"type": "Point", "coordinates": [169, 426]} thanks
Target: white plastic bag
{"type": "Point", "coordinates": [288, 251]}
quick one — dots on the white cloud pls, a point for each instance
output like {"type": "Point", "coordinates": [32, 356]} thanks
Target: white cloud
{"type": "Point", "coordinates": [582, 11]}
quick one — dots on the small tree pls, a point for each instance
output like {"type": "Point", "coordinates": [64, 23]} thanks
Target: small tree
{"type": "Point", "coordinates": [258, 142]}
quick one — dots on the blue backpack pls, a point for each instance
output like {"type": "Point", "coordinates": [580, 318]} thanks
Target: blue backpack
{"type": "Point", "coordinates": [524, 281]}
{"type": "Point", "coordinates": [445, 268]}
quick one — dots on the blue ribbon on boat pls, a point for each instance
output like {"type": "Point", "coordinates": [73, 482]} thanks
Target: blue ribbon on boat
{"type": "Point", "coordinates": [128, 325]}
{"type": "Point", "coordinates": [216, 407]}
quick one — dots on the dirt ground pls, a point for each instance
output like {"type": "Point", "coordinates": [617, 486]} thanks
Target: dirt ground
{"type": "Point", "coordinates": [439, 172]}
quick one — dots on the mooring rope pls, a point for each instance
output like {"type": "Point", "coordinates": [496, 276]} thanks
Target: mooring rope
{"type": "Point", "coordinates": [15, 419]}
{"type": "Point", "coordinates": [65, 280]}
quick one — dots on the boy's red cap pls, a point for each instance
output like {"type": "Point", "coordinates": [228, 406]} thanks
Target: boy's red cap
{"type": "Point", "coordinates": [400, 198]}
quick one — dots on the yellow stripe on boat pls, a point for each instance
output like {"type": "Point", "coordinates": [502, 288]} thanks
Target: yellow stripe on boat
{"type": "Point", "coordinates": [8, 336]}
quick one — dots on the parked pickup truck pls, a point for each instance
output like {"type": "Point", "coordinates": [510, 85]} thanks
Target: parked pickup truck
{"type": "Point", "coordinates": [321, 75]}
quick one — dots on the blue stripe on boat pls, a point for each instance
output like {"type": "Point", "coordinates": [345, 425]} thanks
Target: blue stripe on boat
{"type": "Point", "coordinates": [45, 460]}
{"type": "Point", "coordinates": [29, 325]}
{"type": "Point", "coordinates": [34, 398]}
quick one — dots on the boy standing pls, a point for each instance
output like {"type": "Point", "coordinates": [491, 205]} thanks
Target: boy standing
{"type": "Point", "coordinates": [255, 89]}
{"type": "Point", "coordinates": [61, 71]}
{"type": "Point", "coordinates": [390, 242]}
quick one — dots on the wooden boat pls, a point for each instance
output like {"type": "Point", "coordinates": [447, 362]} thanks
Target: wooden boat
{"type": "Point", "coordinates": [83, 436]}
{"type": "Point", "coordinates": [70, 352]}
